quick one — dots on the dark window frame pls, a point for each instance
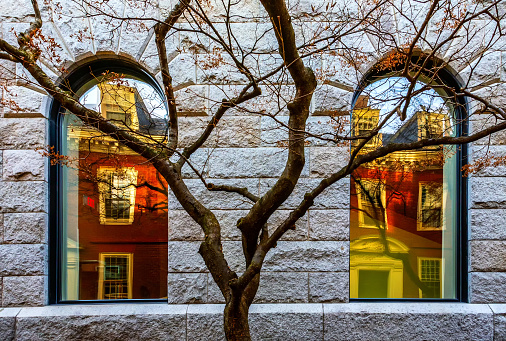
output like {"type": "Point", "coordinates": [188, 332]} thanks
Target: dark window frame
{"type": "Point", "coordinates": [450, 79]}
{"type": "Point", "coordinates": [77, 78]}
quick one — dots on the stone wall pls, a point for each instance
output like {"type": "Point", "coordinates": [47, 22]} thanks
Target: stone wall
{"type": "Point", "coordinates": [311, 321]}
{"type": "Point", "coordinates": [309, 265]}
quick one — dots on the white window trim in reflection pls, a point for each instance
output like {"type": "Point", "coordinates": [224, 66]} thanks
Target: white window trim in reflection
{"type": "Point", "coordinates": [419, 225]}
{"type": "Point", "coordinates": [129, 175]}
{"type": "Point", "coordinates": [441, 270]}
{"type": "Point", "coordinates": [102, 281]}
{"type": "Point", "coordinates": [361, 209]}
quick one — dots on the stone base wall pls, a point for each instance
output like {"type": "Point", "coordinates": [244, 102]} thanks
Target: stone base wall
{"type": "Point", "coordinates": [353, 321]}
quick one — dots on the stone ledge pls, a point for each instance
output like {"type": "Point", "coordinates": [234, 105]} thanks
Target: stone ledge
{"type": "Point", "coordinates": [352, 321]}
{"type": "Point", "coordinates": [409, 321]}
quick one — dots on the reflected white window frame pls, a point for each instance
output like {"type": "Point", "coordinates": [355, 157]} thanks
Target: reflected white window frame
{"type": "Point", "coordinates": [106, 189]}
{"type": "Point", "coordinates": [419, 224]}
{"type": "Point", "coordinates": [361, 209]}
{"type": "Point", "coordinates": [441, 273]}
{"type": "Point", "coordinates": [101, 273]}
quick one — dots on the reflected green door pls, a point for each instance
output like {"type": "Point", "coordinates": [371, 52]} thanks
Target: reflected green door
{"type": "Point", "coordinates": [373, 284]}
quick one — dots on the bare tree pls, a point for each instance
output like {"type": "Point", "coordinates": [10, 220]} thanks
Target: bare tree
{"type": "Point", "coordinates": [434, 36]}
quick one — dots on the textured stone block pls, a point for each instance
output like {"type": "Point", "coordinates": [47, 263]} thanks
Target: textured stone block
{"type": "Point", "coordinates": [150, 53]}
{"type": "Point", "coordinates": [132, 43]}
{"type": "Point", "coordinates": [205, 322]}
{"type": "Point", "coordinates": [214, 294]}
{"type": "Point", "coordinates": [22, 133]}
{"type": "Point", "coordinates": [488, 224]}
{"type": "Point", "coordinates": [308, 256]}
{"type": "Point", "coordinates": [488, 255]}
{"type": "Point", "coordinates": [250, 36]}
{"type": "Point", "coordinates": [285, 287]}
{"type": "Point", "coordinates": [407, 321]}
{"type": "Point", "coordinates": [219, 92]}
{"type": "Point", "coordinates": [329, 287]}
{"type": "Point", "coordinates": [183, 71]}
{"type": "Point", "coordinates": [10, 30]}
{"type": "Point", "coordinates": [487, 287]}
{"type": "Point", "coordinates": [8, 323]}
{"type": "Point", "coordinates": [324, 161]}
{"type": "Point", "coordinates": [329, 224]}
{"type": "Point", "coordinates": [228, 221]}
{"type": "Point", "coordinates": [330, 100]}
{"type": "Point", "coordinates": [335, 196]}
{"type": "Point", "coordinates": [486, 69]}
{"type": "Point", "coordinates": [198, 165]}
{"type": "Point", "coordinates": [1, 228]}
{"type": "Point", "coordinates": [183, 227]}
{"type": "Point", "coordinates": [22, 259]}
{"type": "Point", "coordinates": [73, 24]}
{"type": "Point", "coordinates": [494, 93]}
{"type": "Point", "coordinates": [191, 41]}
{"type": "Point", "coordinates": [26, 100]}
{"type": "Point", "coordinates": [499, 311]}
{"type": "Point", "coordinates": [212, 68]}
{"type": "Point", "coordinates": [192, 100]}
{"type": "Point", "coordinates": [324, 128]}
{"type": "Point", "coordinates": [187, 288]}
{"type": "Point", "coordinates": [267, 322]}
{"type": "Point", "coordinates": [239, 132]}
{"type": "Point", "coordinates": [184, 257]}
{"type": "Point", "coordinates": [249, 163]}
{"type": "Point", "coordinates": [342, 76]}
{"type": "Point", "coordinates": [217, 199]}
{"type": "Point", "coordinates": [273, 133]}
{"type": "Point", "coordinates": [24, 291]}
{"type": "Point", "coordinates": [16, 11]}
{"type": "Point", "coordinates": [280, 287]}
{"type": "Point", "coordinates": [234, 255]}
{"type": "Point", "coordinates": [23, 165]}
{"type": "Point", "coordinates": [488, 192]}
{"type": "Point", "coordinates": [106, 36]}
{"type": "Point", "coordinates": [23, 196]}
{"type": "Point", "coordinates": [25, 228]}
{"type": "Point", "coordinates": [493, 151]}
{"type": "Point", "coordinates": [286, 322]}
{"type": "Point", "coordinates": [244, 11]}
{"type": "Point", "coordinates": [301, 226]}
{"type": "Point", "coordinates": [103, 322]}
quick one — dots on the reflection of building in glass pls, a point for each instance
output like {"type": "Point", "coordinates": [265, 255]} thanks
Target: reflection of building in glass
{"type": "Point", "coordinates": [397, 222]}
{"type": "Point", "coordinates": [118, 104]}
{"type": "Point", "coordinates": [115, 276]}
{"type": "Point", "coordinates": [117, 190]}
{"type": "Point", "coordinates": [118, 239]}
{"type": "Point", "coordinates": [430, 274]}
{"type": "Point", "coordinates": [371, 201]}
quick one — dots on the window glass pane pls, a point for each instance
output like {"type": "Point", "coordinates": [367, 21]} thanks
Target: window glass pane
{"type": "Point", "coordinates": [402, 219]}
{"type": "Point", "coordinates": [114, 203]}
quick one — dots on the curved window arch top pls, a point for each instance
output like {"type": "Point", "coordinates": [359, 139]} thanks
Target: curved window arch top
{"type": "Point", "coordinates": [112, 211]}
{"type": "Point", "coordinates": [407, 198]}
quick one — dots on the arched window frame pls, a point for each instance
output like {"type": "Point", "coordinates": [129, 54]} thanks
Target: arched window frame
{"type": "Point", "coordinates": [78, 76]}
{"type": "Point", "coordinates": [449, 78]}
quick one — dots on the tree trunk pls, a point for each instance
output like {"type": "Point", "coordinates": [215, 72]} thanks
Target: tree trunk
{"type": "Point", "coordinates": [236, 321]}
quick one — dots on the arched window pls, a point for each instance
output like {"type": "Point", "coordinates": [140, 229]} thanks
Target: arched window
{"type": "Point", "coordinates": [406, 208]}
{"type": "Point", "coordinates": [109, 204]}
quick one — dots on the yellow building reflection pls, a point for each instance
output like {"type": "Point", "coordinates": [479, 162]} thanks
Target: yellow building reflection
{"type": "Point", "coordinates": [401, 219]}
